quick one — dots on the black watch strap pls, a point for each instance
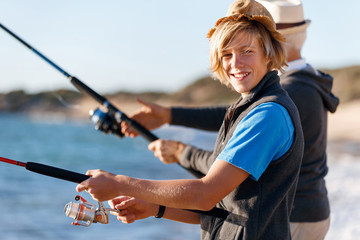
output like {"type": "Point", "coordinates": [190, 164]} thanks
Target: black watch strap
{"type": "Point", "coordinates": [161, 211]}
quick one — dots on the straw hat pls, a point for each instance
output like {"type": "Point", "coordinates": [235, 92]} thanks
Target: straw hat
{"type": "Point", "coordinates": [287, 14]}
{"type": "Point", "coordinates": [253, 11]}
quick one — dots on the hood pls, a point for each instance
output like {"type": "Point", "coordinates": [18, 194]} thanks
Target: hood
{"type": "Point", "coordinates": [321, 81]}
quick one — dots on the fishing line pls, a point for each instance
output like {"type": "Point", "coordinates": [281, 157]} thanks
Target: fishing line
{"type": "Point", "coordinates": [64, 102]}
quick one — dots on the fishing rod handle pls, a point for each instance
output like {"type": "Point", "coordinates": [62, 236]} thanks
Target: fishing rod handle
{"type": "Point", "coordinates": [56, 172]}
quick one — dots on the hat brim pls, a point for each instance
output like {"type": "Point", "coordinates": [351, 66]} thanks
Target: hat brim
{"type": "Point", "coordinates": [267, 22]}
{"type": "Point", "coordinates": [296, 29]}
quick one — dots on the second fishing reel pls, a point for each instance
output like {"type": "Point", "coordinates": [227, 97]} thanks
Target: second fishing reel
{"type": "Point", "coordinates": [106, 122]}
{"type": "Point", "coordinates": [86, 213]}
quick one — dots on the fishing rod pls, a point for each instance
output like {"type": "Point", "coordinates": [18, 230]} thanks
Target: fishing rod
{"type": "Point", "coordinates": [48, 170]}
{"type": "Point", "coordinates": [73, 210]}
{"type": "Point", "coordinates": [107, 122]}
{"type": "Point", "coordinates": [84, 213]}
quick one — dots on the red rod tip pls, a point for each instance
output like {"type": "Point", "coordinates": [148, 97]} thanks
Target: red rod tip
{"type": "Point", "coordinates": [2, 159]}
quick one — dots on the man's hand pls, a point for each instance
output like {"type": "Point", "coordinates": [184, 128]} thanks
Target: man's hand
{"type": "Point", "coordinates": [167, 151]}
{"type": "Point", "coordinates": [150, 116]}
{"type": "Point", "coordinates": [98, 185]}
{"type": "Point", "coordinates": [132, 209]}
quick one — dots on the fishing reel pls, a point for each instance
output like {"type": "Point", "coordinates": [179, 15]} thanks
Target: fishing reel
{"type": "Point", "coordinates": [105, 122]}
{"type": "Point", "coordinates": [86, 213]}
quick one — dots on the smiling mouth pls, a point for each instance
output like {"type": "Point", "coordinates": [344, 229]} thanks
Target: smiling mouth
{"type": "Point", "coordinates": [240, 76]}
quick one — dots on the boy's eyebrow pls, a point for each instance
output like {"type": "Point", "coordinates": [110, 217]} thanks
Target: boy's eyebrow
{"type": "Point", "coordinates": [241, 47]}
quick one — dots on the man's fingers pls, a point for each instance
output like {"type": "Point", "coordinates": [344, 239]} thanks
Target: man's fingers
{"type": "Point", "coordinates": [80, 187]}
{"type": "Point", "coordinates": [144, 103]}
{"type": "Point", "coordinates": [125, 204]}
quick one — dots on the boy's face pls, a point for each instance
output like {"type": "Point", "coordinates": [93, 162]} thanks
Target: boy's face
{"type": "Point", "coordinates": [244, 63]}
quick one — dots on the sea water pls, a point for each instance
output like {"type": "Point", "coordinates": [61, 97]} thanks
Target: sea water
{"type": "Point", "coordinates": [32, 205]}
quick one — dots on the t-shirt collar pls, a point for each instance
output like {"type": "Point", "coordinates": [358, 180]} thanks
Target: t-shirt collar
{"type": "Point", "coordinates": [297, 64]}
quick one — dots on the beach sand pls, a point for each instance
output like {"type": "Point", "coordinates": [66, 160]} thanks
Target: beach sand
{"type": "Point", "coordinates": [344, 130]}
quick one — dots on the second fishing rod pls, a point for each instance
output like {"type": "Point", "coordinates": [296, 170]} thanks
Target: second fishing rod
{"type": "Point", "coordinates": [107, 122]}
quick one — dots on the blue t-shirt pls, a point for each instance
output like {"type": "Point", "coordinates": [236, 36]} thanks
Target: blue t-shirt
{"type": "Point", "coordinates": [264, 135]}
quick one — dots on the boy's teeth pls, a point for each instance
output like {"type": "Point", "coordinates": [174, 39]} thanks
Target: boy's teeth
{"type": "Point", "coordinates": [238, 75]}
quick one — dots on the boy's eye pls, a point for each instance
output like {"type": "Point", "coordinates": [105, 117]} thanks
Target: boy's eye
{"type": "Point", "coordinates": [226, 55]}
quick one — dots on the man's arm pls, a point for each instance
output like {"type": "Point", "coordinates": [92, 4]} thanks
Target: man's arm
{"type": "Point", "coordinates": [204, 118]}
{"type": "Point", "coordinates": [196, 161]}
{"type": "Point", "coordinates": [152, 116]}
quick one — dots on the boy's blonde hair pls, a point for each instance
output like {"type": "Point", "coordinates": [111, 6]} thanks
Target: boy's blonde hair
{"type": "Point", "coordinates": [225, 31]}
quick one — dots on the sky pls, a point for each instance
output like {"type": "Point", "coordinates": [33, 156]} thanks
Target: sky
{"type": "Point", "coordinates": [143, 45]}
